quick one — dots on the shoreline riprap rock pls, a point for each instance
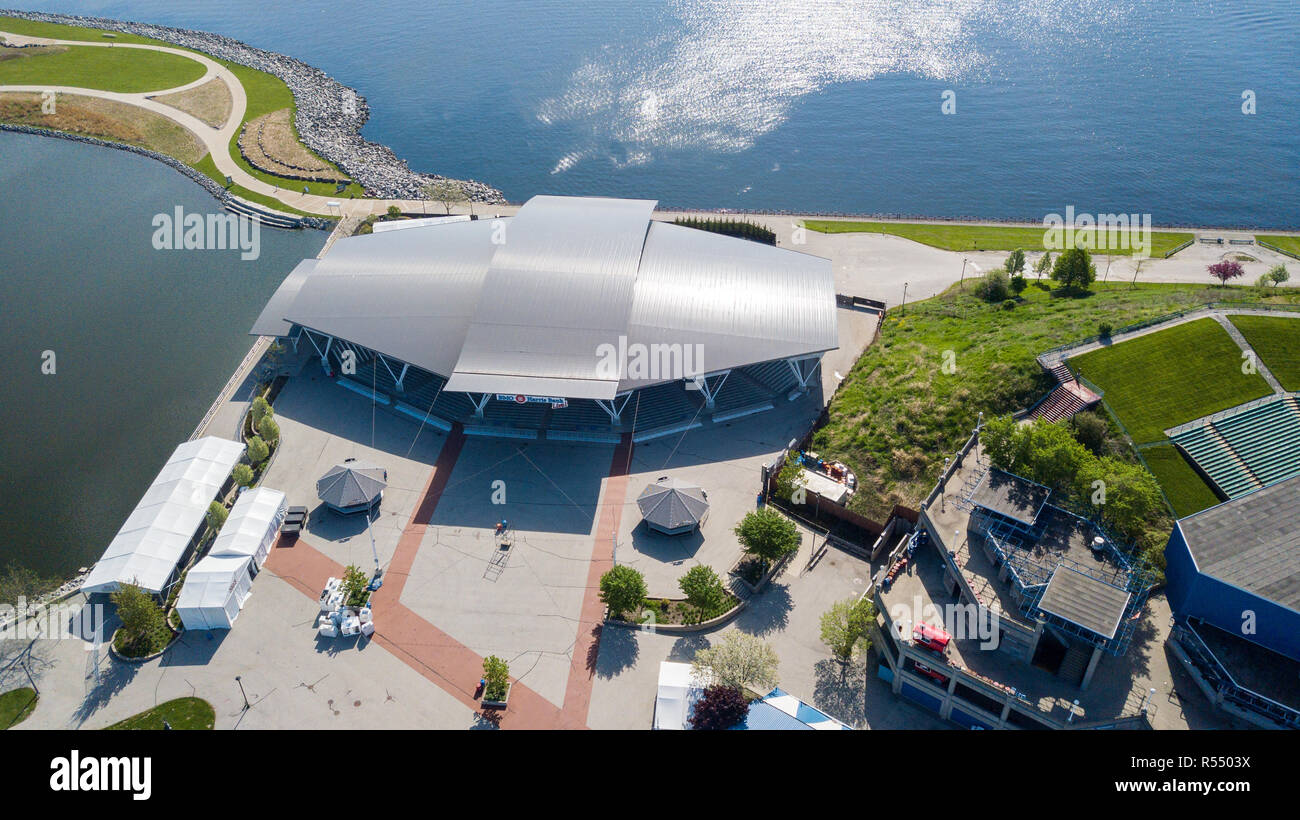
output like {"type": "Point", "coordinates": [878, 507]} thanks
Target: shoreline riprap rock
{"type": "Point", "coordinates": [329, 114]}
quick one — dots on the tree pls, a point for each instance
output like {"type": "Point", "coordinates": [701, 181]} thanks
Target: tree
{"type": "Point", "coordinates": [1018, 284]}
{"type": "Point", "coordinates": [787, 480]}
{"type": "Point", "coordinates": [1131, 499]}
{"type": "Point", "coordinates": [447, 191]}
{"type": "Point", "coordinates": [243, 475]}
{"type": "Point", "coordinates": [261, 409]}
{"type": "Point", "coordinates": [269, 430]}
{"type": "Point", "coordinates": [622, 589]}
{"type": "Point", "coordinates": [355, 586]}
{"type": "Point", "coordinates": [738, 660]}
{"type": "Point", "coordinates": [1074, 269]}
{"type": "Point", "coordinates": [257, 450]}
{"type": "Point", "coordinates": [496, 677]}
{"type": "Point", "coordinates": [767, 535]}
{"type": "Point", "coordinates": [1044, 264]}
{"type": "Point", "coordinates": [1225, 270]}
{"type": "Point", "coordinates": [1278, 274]}
{"type": "Point", "coordinates": [720, 707]}
{"type": "Point", "coordinates": [217, 514]}
{"type": "Point", "coordinates": [1091, 430]}
{"type": "Point", "coordinates": [144, 624]}
{"type": "Point", "coordinates": [1016, 261]}
{"type": "Point", "coordinates": [995, 286]}
{"type": "Point", "coordinates": [703, 590]}
{"type": "Point", "coordinates": [846, 627]}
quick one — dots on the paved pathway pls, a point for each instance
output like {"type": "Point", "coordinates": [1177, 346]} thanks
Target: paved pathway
{"type": "Point", "coordinates": [216, 140]}
{"type": "Point", "coordinates": [1260, 366]}
{"type": "Point", "coordinates": [438, 656]}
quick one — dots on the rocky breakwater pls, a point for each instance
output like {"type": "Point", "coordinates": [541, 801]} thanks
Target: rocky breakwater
{"type": "Point", "coordinates": [329, 114]}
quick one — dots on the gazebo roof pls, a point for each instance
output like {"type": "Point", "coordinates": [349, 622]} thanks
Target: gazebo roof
{"type": "Point", "coordinates": [669, 504]}
{"type": "Point", "coordinates": [351, 484]}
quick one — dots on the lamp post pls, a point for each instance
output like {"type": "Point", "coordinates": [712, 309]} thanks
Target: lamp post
{"type": "Point", "coordinates": [239, 680]}
{"type": "Point", "coordinates": [903, 308]}
{"type": "Point", "coordinates": [1072, 708]}
{"type": "Point", "coordinates": [943, 481]}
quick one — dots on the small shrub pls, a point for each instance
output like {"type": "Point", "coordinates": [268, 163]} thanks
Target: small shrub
{"type": "Point", "coordinates": [217, 515]}
{"type": "Point", "coordinates": [1009, 304]}
{"type": "Point", "coordinates": [1104, 330]}
{"type": "Point", "coordinates": [720, 707]}
{"type": "Point", "coordinates": [355, 583]}
{"type": "Point", "coordinates": [1018, 284]}
{"type": "Point", "coordinates": [496, 673]}
{"type": "Point", "coordinates": [260, 410]}
{"type": "Point", "coordinates": [257, 450]}
{"type": "Point", "coordinates": [269, 430]}
{"type": "Point", "coordinates": [243, 475]}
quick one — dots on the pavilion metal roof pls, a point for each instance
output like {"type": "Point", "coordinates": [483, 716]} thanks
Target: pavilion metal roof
{"type": "Point", "coordinates": [1252, 542]}
{"type": "Point", "coordinates": [524, 304]}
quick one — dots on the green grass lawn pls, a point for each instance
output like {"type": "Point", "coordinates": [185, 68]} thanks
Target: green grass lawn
{"type": "Point", "coordinates": [1286, 243]}
{"type": "Point", "coordinates": [58, 31]}
{"type": "Point", "coordinates": [951, 237]}
{"type": "Point", "coordinates": [1184, 488]}
{"type": "Point", "coordinates": [182, 713]}
{"type": "Point", "coordinates": [1277, 341]}
{"type": "Point", "coordinates": [899, 410]}
{"type": "Point", "coordinates": [16, 705]}
{"type": "Point", "coordinates": [1171, 377]}
{"type": "Point", "coordinates": [128, 70]}
{"type": "Point", "coordinates": [266, 93]}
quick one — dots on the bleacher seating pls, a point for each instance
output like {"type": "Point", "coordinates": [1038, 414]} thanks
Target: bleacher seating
{"type": "Point", "coordinates": [775, 376]}
{"type": "Point", "coordinates": [1250, 449]}
{"type": "Point", "coordinates": [660, 406]}
{"type": "Point", "coordinates": [1217, 460]}
{"type": "Point", "coordinates": [740, 391]}
{"type": "Point", "coordinates": [583, 414]}
{"type": "Point", "coordinates": [1267, 438]}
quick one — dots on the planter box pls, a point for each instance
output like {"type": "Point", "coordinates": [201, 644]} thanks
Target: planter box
{"type": "Point", "coordinates": [497, 704]}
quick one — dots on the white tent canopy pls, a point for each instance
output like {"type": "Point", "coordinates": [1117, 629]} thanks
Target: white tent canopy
{"type": "Point", "coordinates": [146, 549]}
{"type": "Point", "coordinates": [214, 592]}
{"type": "Point", "coordinates": [252, 526]}
{"type": "Point", "coordinates": [679, 689]}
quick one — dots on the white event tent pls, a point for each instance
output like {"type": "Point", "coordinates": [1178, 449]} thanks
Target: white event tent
{"type": "Point", "coordinates": [149, 545]}
{"type": "Point", "coordinates": [678, 691]}
{"type": "Point", "coordinates": [217, 587]}
{"type": "Point", "coordinates": [253, 525]}
{"type": "Point", "coordinates": [214, 592]}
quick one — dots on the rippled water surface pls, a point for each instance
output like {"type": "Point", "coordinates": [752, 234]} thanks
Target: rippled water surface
{"type": "Point", "coordinates": [822, 105]}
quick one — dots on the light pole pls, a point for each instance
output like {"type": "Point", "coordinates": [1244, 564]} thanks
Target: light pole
{"type": "Point", "coordinates": [1072, 708]}
{"type": "Point", "coordinates": [903, 308]}
{"type": "Point", "coordinates": [240, 681]}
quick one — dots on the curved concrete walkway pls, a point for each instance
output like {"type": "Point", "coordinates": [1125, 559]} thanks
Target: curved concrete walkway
{"type": "Point", "coordinates": [216, 140]}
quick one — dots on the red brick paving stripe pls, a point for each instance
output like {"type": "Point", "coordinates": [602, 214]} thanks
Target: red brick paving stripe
{"type": "Point", "coordinates": [582, 669]}
{"type": "Point", "coordinates": [439, 657]}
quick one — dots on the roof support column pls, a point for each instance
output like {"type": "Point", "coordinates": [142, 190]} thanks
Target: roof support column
{"type": "Point", "coordinates": [803, 370]}
{"type": "Point", "coordinates": [479, 403]}
{"type": "Point", "coordinates": [614, 407]}
{"type": "Point", "coordinates": [324, 354]}
{"type": "Point", "coordinates": [701, 383]}
{"type": "Point", "coordinates": [396, 378]}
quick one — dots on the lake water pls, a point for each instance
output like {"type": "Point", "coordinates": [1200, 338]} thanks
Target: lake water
{"type": "Point", "coordinates": [143, 339]}
{"type": "Point", "coordinates": [1132, 106]}
{"type": "Point", "coordinates": [819, 105]}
